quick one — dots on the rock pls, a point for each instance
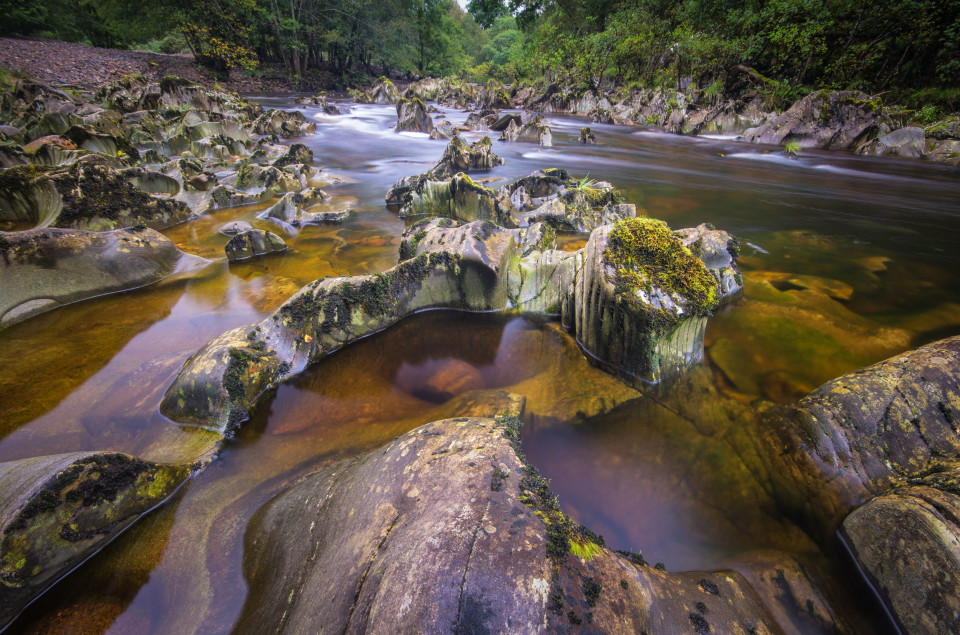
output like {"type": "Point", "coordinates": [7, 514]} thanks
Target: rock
{"type": "Point", "coordinates": [58, 510]}
{"type": "Point", "coordinates": [231, 371]}
{"type": "Point", "coordinates": [904, 142]}
{"type": "Point", "coordinates": [384, 92]}
{"type": "Point", "coordinates": [253, 242]}
{"type": "Point", "coordinates": [482, 120]}
{"type": "Point", "coordinates": [283, 124]}
{"type": "Point", "coordinates": [587, 136]}
{"type": "Point", "coordinates": [289, 209]}
{"type": "Point", "coordinates": [12, 155]}
{"type": "Point", "coordinates": [460, 198]}
{"type": "Point", "coordinates": [908, 543]}
{"type": "Point", "coordinates": [273, 181]}
{"type": "Point", "coordinates": [885, 422]}
{"type": "Point", "coordinates": [84, 195]}
{"type": "Point", "coordinates": [824, 119]}
{"type": "Point", "coordinates": [234, 227]}
{"type": "Point", "coordinates": [944, 151]}
{"type": "Point", "coordinates": [46, 268]}
{"type": "Point", "coordinates": [719, 252]}
{"type": "Point", "coordinates": [638, 276]}
{"type": "Point", "coordinates": [533, 131]}
{"type": "Point", "coordinates": [443, 131]}
{"type": "Point", "coordinates": [502, 556]}
{"type": "Point", "coordinates": [504, 122]}
{"type": "Point", "coordinates": [459, 157]}
{"type": "Point", "coordinates": [412, 116]}
{"type": "Point", "coordinates": [296, 153]}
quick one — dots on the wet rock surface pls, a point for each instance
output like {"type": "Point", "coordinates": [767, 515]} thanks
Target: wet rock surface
{"type": "Point", "coordinates": [412, 117]}
{"type": "Point", "coordinates": [57, 510]}
{"type": "Point", "coordinates": [42, 269]}
{"type": "Point", "coordinates": [908, 543]}
{"type": "Point", "coordinates": [499, 555]}
{"type": "Point", "coordinates": [253, 242]}
{"type": "Point", "coordinates": [824, 119]}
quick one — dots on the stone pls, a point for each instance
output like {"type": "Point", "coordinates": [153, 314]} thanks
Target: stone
{"type": "Point", "coordinates": [719, 252]}
{"type": "Point", "coordinates": [502, 557]}
{"type": "Point", "coordinates": [824, 119]}
{"type": "Point", "coordinates": [638, 276]}
{"type": "Point", "coordinates": [273, 181]}
{"type": "Point", "coordinates": [412, 117]}
{"type": "Point", "coordinates": [231, 371]}
{"type": "Point", "coordinates": [535, 131]}
{"type": "Point", "coordinates": [235, 227]}
{"type": "Point", "coordinates": [296, 153]}
{"type": "Point", "coordinates": [283, 124]}
{"type": "Point", "coordinates": [587, 136]}
{"type": "Point", "coordinates": [252, 243]}
{"type": "Point", "coordinates": [42, 269]}
{"type": "Point", "coordinates": [905, 142]}
{"type": "Point", "coordinates": [459, 157]}
{"type": "Point", "coordinates": [459, 197]}
{"type": "Point", "coordinates": [84, 195]}
{"type": "Point", "coordinates": [908, 543]}
{"type": "Point", "coordinates": [384, 92]}
{"type": "Point", "coordinates": [58, 510]}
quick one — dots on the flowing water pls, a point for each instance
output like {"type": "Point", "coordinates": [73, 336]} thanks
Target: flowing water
{"type": "Point", "coordinates": [847, 260]}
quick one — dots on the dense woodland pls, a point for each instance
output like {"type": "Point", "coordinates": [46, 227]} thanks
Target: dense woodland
{"type": "Point", "coordinates": [909, 49]}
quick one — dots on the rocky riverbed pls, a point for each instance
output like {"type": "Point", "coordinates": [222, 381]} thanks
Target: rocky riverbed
{"type": "Point", "coordinates": [635, 296]}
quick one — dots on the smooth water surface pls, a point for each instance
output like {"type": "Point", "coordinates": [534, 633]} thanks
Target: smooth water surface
{"type": "Point", "coordinates": [847, 261]}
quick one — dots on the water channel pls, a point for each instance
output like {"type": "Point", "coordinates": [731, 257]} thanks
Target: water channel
{"type": "Point", "coordinates": [847, 260]}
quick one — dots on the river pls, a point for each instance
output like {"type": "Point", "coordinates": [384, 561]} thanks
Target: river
{"type": "Point", "coordinates": [847, 260]}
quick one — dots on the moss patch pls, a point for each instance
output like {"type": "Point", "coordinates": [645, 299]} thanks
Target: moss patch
{"type": "Point", "coordinates": [644, 254]}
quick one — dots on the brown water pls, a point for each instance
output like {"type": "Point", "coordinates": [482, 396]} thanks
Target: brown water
{"type": "Point", "coordinates": [847, 261]}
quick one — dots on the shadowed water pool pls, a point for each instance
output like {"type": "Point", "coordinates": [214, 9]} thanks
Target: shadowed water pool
{"type": "Point", "coordinates": [846, 260]}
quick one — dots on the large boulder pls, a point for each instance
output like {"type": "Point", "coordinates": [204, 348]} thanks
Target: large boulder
{"type": "Point", "coordinates": [412, 117]}
{"type": "Point", "coordinates": [459, 197]}
{"type": "Point", "coordinates": [824, 119]}
{"type": "Point", "coordinates": [42, 269]}
{"type": "Point", "coordinates": [905, 142]}
{"type": "Point", "coordinates": [58, 510]}
{"type": "Point", "coordinates": [253, 242]}
{"type": "Point", "coordinates": [641, 300]}
{"type": "Point", "coordinates": [448, 529]}
{"type": "Point", "coordinates": [871, 428]}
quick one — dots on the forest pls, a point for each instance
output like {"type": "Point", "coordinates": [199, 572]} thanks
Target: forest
{"type": "Point", "coordinates": [908, 50]}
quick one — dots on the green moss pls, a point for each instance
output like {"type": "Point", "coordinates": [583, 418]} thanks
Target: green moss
{"type": "Point", "coordinates": [644, 254]}
{"type": "Point", "coordinates": [233, 376]}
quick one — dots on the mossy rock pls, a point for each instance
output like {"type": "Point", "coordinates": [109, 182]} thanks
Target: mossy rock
{"type": "Point", "coordinates": [58, 510]}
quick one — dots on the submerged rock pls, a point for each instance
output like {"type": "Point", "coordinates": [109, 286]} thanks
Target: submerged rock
{"type": "Point", "coordinates": [412, 116]}
{"type": "Point", "coordinates": [587, 136]}
{"type": "Point", "coordinates": [253, 242]}
{"type": "Point", "coordinates": [58, 510]}
{"type": "Point", "coordinates": [42, 269]}
{"type": "Point", "coordinates": [502, 557]}
{"type": "Point", "coordinates": [290, 209]}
